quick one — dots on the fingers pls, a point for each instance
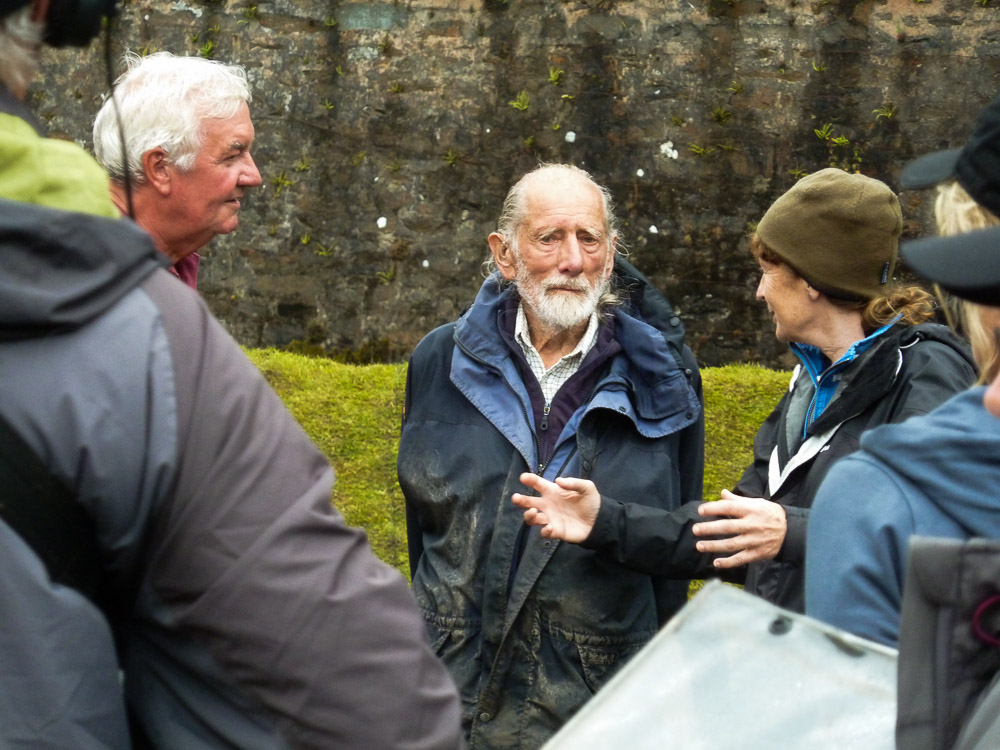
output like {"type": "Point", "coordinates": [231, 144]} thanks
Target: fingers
{"type": "Point", "coordinates": [535, 482]}
{"type": "Point", "coordinates": [734, 561]}
{"type": "Point", "coordinates": [535, 517]}
{"type": "Point", "coordinates": [575, 484]}
{"type": "Point", "coordinates": [720, 508]}
{"type": "Point", "coordinates": [718, 528]}
{"type": "Point", "coordinates": [523, 501]}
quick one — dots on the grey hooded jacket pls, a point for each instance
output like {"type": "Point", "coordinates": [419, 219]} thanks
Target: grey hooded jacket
{"type": "Point", "coordinates": [253, 616]}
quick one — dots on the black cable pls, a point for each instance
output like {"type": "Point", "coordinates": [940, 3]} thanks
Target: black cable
{"type": "Point", "coordinates": [118, 117]}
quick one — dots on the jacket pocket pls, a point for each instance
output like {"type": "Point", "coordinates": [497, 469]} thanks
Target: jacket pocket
{"type": "Point", "coordinates": [456, 641]}
{"type": "Point", "coordinates": [598, 656]}
{"type": "Point", "coordinates": [600, 664]}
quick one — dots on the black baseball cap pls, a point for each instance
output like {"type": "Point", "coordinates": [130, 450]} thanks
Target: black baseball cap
{"type": "Point", "coordinates": [966, 265]}
{"type": "Point", "coordinates": [976, 165]}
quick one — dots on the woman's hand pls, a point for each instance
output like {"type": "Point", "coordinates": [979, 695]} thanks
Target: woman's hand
{"type": "Point", "coordinates": [753, 529]}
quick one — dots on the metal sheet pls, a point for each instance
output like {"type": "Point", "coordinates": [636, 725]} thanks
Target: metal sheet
{"type": "Point", "coordinates": [733, 671]}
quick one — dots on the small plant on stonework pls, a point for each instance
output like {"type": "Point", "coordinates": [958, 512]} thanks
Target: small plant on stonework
{"type": "Point", "coordinates": [888, 112]}
{"type": "Point", "coordinates": [395, 165]}
{"type": "Point", "coordinates": [305, 239]}
{"type": "Point", "coordinates": [824, 133]}
{"type": "Point", "coordinates": [327, 104]}
{"type": "Point", "coordinates": [249, 14]}
{"type": "Point", "coordinates": [677, 121]}
{"type": "Point", "coordinates": [736, 87]}
{"type": "Point", "coordinates": [302, 165]}
{"type": "Point", "coordinates": [797, 172]}
{"type": "Point", "coordinates": [207, 50]}
{"type": "Point", "coordinates": [556, 125]}
{"type": "Point", "coordinates": [386, 276]}
{"type": "Point", "coordinates": [568, 97]}
{"type": "Point", "coordinates": [818, 67]}
{"type": "Point", "coordinates": [339, 70]}
{"type": "Point", "coordinates": [330, 22]}
{"type": "Point", "coordinates": [528, 142]}
{"type": "Point", "coordinates": [323, 251]}
{"type": "Point", "coordinates": [721, 115]}
{"type": "Point", "coordinates": [699, 150]}
{"type": "Point", "coordinates": [729, 147]}
{"type": "Point", "coordinates": [359, 157]}
{"type": "Point", "coordinates": [280, 183]}
{"type": "Point", "coordinates": [520, 101]}
{"type": "Point", "coordinates": [451, 157]}
{"type": "Point", "coordinates": [555, 76]}
{"type": "Point", "coordinates": [840, 140]}
{"type": "Point", "coordinates": [396, 88]}
{"type": "Point", "coordinates": [982, 3]}
{"type": "Point", "coordinates": [385, 45]}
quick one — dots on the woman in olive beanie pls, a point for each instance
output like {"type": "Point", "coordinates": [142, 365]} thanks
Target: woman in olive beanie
{"type": "Point", "coordinates": [868, 356]}
{"type": "Point", "coordinates": [827, 252]}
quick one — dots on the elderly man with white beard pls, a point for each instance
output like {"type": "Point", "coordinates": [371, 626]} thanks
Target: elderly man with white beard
{"type": "Point", "coordinates": [569, 363]}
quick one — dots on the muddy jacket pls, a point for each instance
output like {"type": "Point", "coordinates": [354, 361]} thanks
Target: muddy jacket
{"type": "Point", "coordinates": [909, 370]}
{"type": "Point", "coordinates": [529, 643]}
{"type": "Point", "coordinates": [249, 614]}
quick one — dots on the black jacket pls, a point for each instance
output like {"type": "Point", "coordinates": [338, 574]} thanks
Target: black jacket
{"type": "Point", "coordinates": [908, 371]}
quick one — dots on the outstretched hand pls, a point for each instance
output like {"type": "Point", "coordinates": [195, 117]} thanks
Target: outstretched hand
{"type": "Point", "coordinates": [565, 509]}
{"type": "Point", "coordinates": [754, 529]}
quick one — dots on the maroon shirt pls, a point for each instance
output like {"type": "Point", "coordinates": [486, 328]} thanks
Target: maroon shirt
{"type": "Point", "coordinates": [186, 269]}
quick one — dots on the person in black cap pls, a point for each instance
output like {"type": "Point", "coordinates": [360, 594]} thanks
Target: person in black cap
{"type": "Point", "coordinates": [173, 572]}
{"type": "Point", "coordinates": [935, 476]}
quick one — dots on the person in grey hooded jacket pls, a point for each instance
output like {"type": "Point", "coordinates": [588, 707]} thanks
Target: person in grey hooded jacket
{"type": "Point", "coordinates": [173, 572]}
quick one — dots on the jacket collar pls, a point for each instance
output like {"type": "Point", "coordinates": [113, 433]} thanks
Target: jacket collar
{"type": "Point", "coordinates": [648, 359]}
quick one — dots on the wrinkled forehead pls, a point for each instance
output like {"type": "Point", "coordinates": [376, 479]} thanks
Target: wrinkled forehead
{"type": "Point", "coordinates": [562, 198]}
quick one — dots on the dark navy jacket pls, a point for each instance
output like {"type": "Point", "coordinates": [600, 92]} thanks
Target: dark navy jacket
{"type": "Point", "coordinates": [528, 647]}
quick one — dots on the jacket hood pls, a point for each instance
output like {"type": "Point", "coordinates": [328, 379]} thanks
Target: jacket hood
{"type": "Point", "coordinates": [952, 455]}
{"type": "Point", "coordinates": [62, 269]}
{"type": "Point", "coordinates": [651, 370]}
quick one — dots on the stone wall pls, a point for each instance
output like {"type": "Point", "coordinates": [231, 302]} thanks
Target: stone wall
{"type": "Point", "coordinates": [389, 132]}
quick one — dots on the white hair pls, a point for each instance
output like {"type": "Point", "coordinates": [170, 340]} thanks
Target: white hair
{"type": "Point", "coordinates": [162, 100]}
{"type": "Point", "coordinates": [19, 40]}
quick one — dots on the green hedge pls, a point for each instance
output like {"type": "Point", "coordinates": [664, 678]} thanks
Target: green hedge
{"type": "Point", "coordinates": [353, 414]}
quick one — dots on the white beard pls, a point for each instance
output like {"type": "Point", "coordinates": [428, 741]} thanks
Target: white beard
{"type": "Point", "coordinates": [556, 309]}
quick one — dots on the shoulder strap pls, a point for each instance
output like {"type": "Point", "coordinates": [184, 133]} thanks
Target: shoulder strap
{"type": "Point", "coordinates": [44, 512]}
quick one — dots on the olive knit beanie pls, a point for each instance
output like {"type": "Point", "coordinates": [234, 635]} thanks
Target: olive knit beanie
{"type": "Point", "coordinates": [839, 231]}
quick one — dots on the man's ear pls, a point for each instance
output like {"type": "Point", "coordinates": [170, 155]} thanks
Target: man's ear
{"type": "Point", "coordinates": [609, 265]}
{"type": "Point", "coordinates": [157, 170]}
{"type": "Point", "coordinates": [503, 254]}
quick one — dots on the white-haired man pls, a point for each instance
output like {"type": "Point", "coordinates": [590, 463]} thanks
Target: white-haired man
{"type": "Point", "coordinates": [188, 136]}
{"type": "Point", "coordinates": [167, 540]}
{"type": "Point", "coordinates": [544, 374]}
